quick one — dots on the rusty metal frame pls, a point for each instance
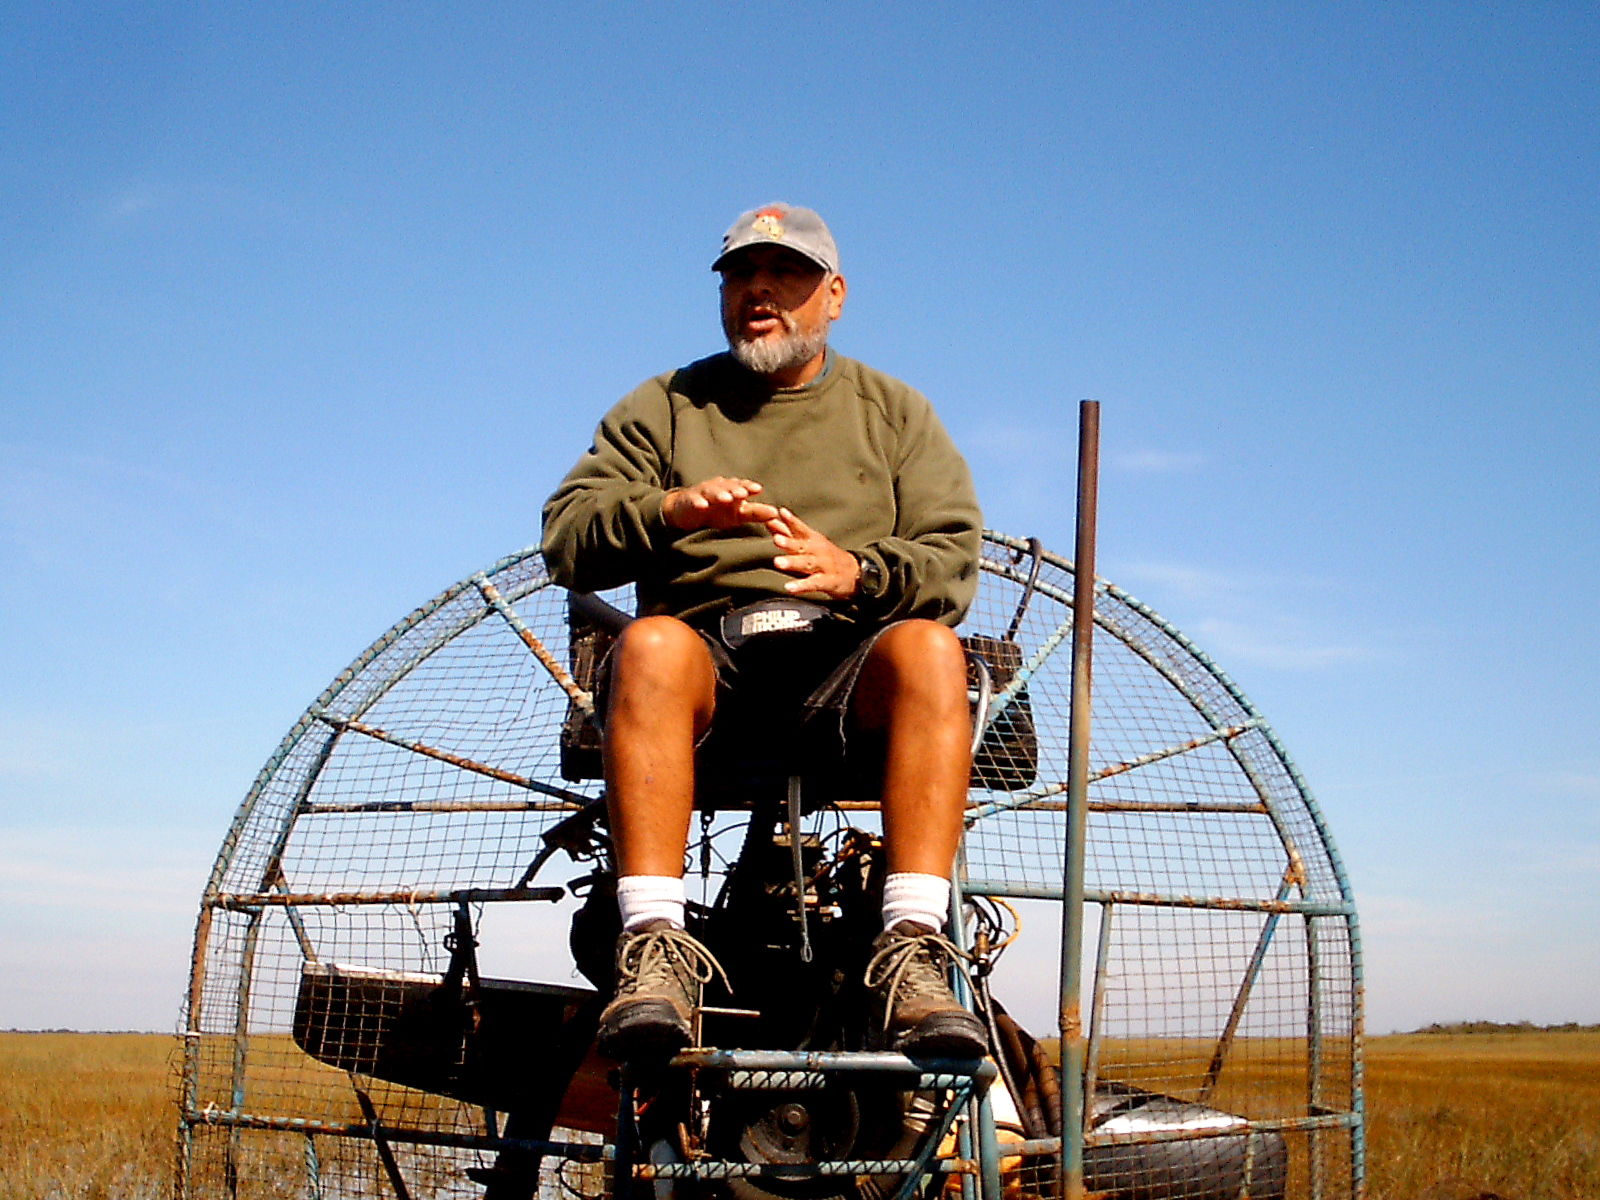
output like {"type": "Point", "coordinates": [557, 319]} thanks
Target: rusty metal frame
{"type": "Point", "coordinates": [322, 720]}
{"type": "Point", "coordinates": [1311, 912]}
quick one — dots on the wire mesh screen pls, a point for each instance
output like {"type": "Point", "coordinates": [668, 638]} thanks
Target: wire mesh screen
{"type": "Point", "coordinates": [337, 1038]}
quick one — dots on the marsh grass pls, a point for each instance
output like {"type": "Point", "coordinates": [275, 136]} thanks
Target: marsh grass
{"type": "Point", "coordinates": [1512, 1114]}
{"type": "Point", "coordinates": [86, 1116]}
{"type": "Point", "coordinates": [1451, 1116]}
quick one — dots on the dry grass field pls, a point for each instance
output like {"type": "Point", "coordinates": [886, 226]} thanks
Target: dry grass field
{"type": "Point", "coordinates": [1509, 1114]}
{"type": "Point", "coordinates": [86, 1116]}
{"type": "Point", "coordinates": [1452, 1116]}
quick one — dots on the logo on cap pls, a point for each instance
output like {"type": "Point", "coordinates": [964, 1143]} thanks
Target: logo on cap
{"type": "Point", "coordinates": [769, 223]}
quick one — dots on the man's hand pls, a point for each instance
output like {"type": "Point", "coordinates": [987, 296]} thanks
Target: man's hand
{"type": "Point", "coordinates": [822, 566]}
{"type": "Point", "coordinates": [718, 503]}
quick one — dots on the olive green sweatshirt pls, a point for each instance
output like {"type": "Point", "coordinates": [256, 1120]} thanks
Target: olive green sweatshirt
{"type": "Point", "coordinates": [855, 454]}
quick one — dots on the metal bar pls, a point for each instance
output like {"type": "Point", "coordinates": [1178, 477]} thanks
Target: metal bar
{"type": "Point", "coordinates": [322, 807]}
{"type": "Point", "coordinates": [313, 1170]}
{"type": "Point", "coordinates": [1026, 891]}
{"type": "Point", "coordinates": [1027, 800]}
{"type": "Point", "coordinates": [862, 1166]}
{"type": "Point", "coordinates": [577, 799]}
{"type": "Point", "coordinates": [593, 1152]}
{"type": "Point", "coordinates": [1187, 807]}
{"type": "Point", "coordinates": [1070, 1021]}
{"type": "Point", "coordinates": [978, 812]}
{"type": "Point", "coordinates": [291, 742]}
{"type": "Point", "coordinates": [380, 1140]}
{"type": "Point", "coordinates": [1316, 1064]}
{"type": "Point", "coordinates": [989, 1149]}
{"type": "Point", "coordinates": [241, 1015]}
{"type": "Point", "coordinates": [1358, 1064]}
{"type": "Point", "coordinates": [468, 619]}
{"type": "Point", "coordinates": [970, 1187]}
{"type": "Point", "coordinates": [1312, 809]}
{"type": "Point", "coordinates": [797, 1081]}
{"type": "Point", "coordinates": [1097, 1010]}
{"type": "Point", "coordinates": [247, 812]}
{"type": "Point", "coordinates": [576, 1151]}
{"type": "Point", "coordinates": [1002, 698]}
{"type": "Point", "coordinates": [625, 1151]}
{"type": "Point", "coordinates": [981, 1070]}
{"type": "Point", "coordinates": [977, 1136]}
{"type": "Point", "coordinates": [190, 1088]}
{"type": "Point", "coordinates": [251, 901]}
{"type": "Point", "coordinates": [184, 1147]}
{"type": "Point", "coordinates": [560, 674]}
{"type": "Point", "coordinates": [793, 812]}
{"type": "Point", "coordinates": [297, 924]}
{"type": "Point", "coordinates": [272, 873]}
{"type": "Point", "coordinates": [1238, 752]}
{"type": "Point", "coordinates": [932, 1139]}
{"type": "Point", "coordinates": [1252, 972]}
{"type": "Point", "coordinates": [271, 876]}
{"type": "Point", "coordinates": [241, 1042]}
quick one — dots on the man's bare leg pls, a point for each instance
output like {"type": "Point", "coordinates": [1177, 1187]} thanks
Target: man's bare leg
{"type": "Point", "coordinates": [913, 690]}
{"type": "Point", "coordinates": [662, 693]}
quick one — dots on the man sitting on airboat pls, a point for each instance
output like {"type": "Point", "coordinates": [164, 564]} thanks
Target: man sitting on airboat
{"type": "Point", "coordinates": [803, 537]}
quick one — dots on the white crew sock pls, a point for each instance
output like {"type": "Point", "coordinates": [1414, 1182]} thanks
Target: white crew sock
{"type": "Point", "coordinates": [642, 898]}
{"type": "Point", "coordinates": [909, 896]}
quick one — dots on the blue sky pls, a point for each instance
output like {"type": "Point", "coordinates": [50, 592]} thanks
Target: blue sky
{"type": "Point", "coordinates": [304, 309]}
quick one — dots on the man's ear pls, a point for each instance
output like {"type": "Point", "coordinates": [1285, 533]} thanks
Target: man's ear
{"type": "Point", "coordinates": [836, 294]}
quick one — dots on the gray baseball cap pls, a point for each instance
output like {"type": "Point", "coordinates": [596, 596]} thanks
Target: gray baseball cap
{"type": "Point", "coordinates": [800, 229]}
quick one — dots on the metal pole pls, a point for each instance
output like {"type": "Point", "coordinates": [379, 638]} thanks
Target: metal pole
{"type": "Point", "coordinates": [1073, 1048]}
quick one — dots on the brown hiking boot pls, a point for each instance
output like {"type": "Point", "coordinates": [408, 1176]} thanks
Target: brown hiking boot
{"type": "Point", "coordinates": [909, 972]}
{"type": "Point", "coordinates": [660, 970]}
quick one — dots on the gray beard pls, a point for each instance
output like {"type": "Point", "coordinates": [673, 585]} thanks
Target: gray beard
{"type": "Point", "coordinates": [770, 356]}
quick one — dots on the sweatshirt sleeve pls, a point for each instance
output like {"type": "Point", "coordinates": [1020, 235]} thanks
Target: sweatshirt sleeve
{"type": "Point", "coordinates": [603, 525]}
{"type": "Point", "coordinates": [929, 566]}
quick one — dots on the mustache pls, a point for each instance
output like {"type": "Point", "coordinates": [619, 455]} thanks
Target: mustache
{"type": "Point", "coordinates": [785, 318]}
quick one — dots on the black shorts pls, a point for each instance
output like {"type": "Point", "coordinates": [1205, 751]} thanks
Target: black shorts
{"type": "Point", "coordinates": [782, 708]}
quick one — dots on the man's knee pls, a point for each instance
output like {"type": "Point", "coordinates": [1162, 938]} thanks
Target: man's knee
{"type": "Point", "coordinates": [661, 653]}
{"type": "Point", "coordinates": [923, 649]}
{"type": "Point", "coordinates": [917, 662]}
{"type": "Point", "coordinates": [665, 640]}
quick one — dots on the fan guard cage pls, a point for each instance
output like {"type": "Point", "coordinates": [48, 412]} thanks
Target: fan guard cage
{"type": "Point", "coordinates": [1221, 963]}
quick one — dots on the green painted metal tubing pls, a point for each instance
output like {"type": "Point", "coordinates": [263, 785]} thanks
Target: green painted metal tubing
{"type": "Point", "coordinates": [1024, 891]}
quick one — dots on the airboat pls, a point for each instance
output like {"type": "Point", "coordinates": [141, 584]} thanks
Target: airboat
{"type": "Point", "coordinates": [403, 945]}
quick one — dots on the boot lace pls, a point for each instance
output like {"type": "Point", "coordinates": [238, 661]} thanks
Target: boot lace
{"type": "Point", "coordinates": [658, 959]}
{"type": "Point", "coordinates": [912, 965]}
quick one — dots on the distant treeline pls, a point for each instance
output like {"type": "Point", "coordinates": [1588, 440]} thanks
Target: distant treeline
{"type": "Point", "coordinates": [1505, 1027]}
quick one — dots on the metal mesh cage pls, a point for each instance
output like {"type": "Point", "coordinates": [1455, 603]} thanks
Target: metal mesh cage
{"type": "Point", "coordinates": [328, 1053]}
